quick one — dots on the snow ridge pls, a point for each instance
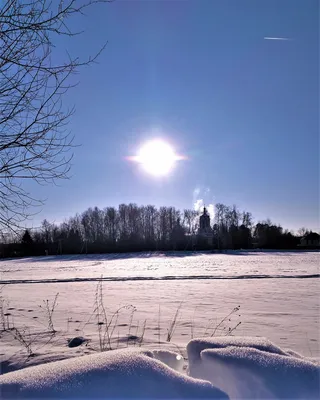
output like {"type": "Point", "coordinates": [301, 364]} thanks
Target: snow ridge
{"type": "Point", "coordinates": [117, 374]}
{"type": "Point", "coordinates": [253, 368]}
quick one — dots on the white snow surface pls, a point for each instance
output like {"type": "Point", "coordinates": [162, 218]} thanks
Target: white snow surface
{"type": "Point", "coordinates": [170, 358]}
{"type": "Point", "coordinates": [278, 293]}
{"type": "Point", "coordinates": [117, 374]}
{"type": "Point", "coordinates": [251, 368]}
{"type": "Point", "coordinates": [160, 265]}
{"type": "Point", "coordinates": [219, 368]}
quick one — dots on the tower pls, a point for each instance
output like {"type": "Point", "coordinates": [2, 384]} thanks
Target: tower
{"type": "Point", "coordinates": [205, 232]}
{"type": "Point", "coordinates": [205, 221]}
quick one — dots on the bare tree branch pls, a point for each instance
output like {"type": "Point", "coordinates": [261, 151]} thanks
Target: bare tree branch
{"type": "Point", "coordinates": [34, 142]}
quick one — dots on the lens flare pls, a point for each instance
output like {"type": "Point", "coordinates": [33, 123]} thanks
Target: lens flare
{"type": "Point", "coordinates": [157, 157]}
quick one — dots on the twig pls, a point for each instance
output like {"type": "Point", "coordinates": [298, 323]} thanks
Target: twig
{"type": "Point", "coordinates": [49, 310]}
{"type": "Point", "coordinates": [142, 334]}
{"type": "Point", "coordinates": [159, 334]}
{"type": "Point", "coordinates": [173, 324]}
{"type": "Point", "coordinates": [224, 319]}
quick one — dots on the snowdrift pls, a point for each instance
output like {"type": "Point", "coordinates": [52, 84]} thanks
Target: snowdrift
{"type": "Point", "coordinates": [219, 368]}
{"type": "Point", "coordinates": [253, 368]}
{"type": "Point", "coordinates": [117, 374]}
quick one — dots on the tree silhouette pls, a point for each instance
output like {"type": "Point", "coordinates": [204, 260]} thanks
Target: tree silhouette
{"type": "Point", "coordinates": [34, 143]}
{"type": "Point", "coordinates": [130, 228]}
{"type": "Point", "coordinates": [26, 238]}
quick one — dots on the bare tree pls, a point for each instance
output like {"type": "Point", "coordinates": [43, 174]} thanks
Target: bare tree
{"type": "Point", "coordinates": [34, 142]}
{"type": "Point", "coordinates": [302, 231]}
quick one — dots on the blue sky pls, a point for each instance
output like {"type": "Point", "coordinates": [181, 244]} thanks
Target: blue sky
{"type": "Point", "coordinates": [244, 110]}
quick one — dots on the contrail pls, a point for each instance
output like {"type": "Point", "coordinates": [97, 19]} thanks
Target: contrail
{"type": "Point", "coordinates": [276, 38]}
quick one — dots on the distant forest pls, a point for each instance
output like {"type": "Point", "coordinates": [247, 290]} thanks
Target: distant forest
{"type": "Point", "coordinates": [131, 228]}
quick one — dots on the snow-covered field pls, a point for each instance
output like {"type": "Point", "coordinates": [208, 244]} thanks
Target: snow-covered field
{"type": "Point", "coordinates": [278, 295]}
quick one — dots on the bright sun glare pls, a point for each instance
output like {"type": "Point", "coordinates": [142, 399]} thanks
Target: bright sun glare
{"type": "Point", "coordinates": [157, 157]}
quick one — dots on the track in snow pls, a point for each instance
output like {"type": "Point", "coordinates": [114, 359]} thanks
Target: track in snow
{"type": "Point", "coordinates": [154, 278]}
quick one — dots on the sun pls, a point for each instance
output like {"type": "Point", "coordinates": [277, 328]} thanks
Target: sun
{"type": "Point", "coordinates": [157, 157]}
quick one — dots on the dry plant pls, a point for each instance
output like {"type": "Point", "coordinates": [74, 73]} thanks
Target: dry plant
{"type": "Point", "coordinates": [49, 311]}
{"type": "Point", "coordinates": [107, 322]}
{"type": "Point", "coordinates": [142, 333]}
{"type": "Point", "coordinates": [230, 330]}
{"type": "Point", "coordinates": [226, 318]}
{"type": "Point", "coordinates": [130, 325]}
{"type": "Point", "coordinates": [192, 323]}
{"type": "Point", "coordinates": [220, 326]}
{"type": "Point", "coordinates": [4, 316]}
{"type": "Point", "coordinates": [23, 334]}
{"type": "Point", "coordinates": [173, 323]}
{"type": "Point", "coordinates": [28, 340]}
{"type": "Point", "coordinates": [134, 337]}
{"type": "Point", "coordinates": [106, 325]}
{"type": "Point", "coordinates": [159, 326]}
{"type": "Point", "coordinates": [24, 338]}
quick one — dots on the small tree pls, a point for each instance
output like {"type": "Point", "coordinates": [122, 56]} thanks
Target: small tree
{"type": "Point", "coordinates": [26, 238]}
{"type": "Point", "coordinates": [302, 231]}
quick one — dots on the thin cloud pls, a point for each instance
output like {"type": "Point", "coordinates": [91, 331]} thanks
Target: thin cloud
{"type": "Point", "coordinates": [285, 39]}
{"type": "Point", "coordinates": [199, 204]}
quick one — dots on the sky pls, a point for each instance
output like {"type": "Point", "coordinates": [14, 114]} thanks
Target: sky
{"type": "Point", "coordinates": [202, 75]}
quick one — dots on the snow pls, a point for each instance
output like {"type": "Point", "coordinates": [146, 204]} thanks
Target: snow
{"type": "Point", "coordinates": [117, 374]}
{"type": "Point", "coordinates": [170, 358]}
{"type": "Point", "coordinates": [162, 265]}
{"type": "Point", "coordinates": [219, 368]}
{"type": "Point", "coordinates": [253, 368]}
{"type": "Point", "coordinates": [196, 346]}
{"type": "Point", "coordinates": [278, 293]}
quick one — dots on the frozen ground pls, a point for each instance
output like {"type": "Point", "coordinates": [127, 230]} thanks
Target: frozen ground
{"type": "Point", "coordinates": [278, 294]}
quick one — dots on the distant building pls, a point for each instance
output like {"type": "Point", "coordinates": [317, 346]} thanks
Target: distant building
{"type": "Point", "coordinates": [312, 239]}
{"type": "Point", "coordinates": [205, 231]}
{"type": "Point", "coordinates": [178, 236]}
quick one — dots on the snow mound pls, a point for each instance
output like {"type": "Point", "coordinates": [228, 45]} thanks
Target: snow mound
{"type": "Point", "coordinates": [253, 368]}
{"type": "Point", "coordinates": [170, 358]}
{"type": "Point", "coordinates": [195, 346]}
{"type": "Point", "coordinates": [118, 374]}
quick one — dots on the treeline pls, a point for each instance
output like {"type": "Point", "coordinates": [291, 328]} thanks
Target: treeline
{"type": "Point", "coordinates": [131, 228]}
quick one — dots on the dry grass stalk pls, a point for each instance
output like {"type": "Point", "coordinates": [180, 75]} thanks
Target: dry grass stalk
{"type": "Point", "coordinates": [173, 323]}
